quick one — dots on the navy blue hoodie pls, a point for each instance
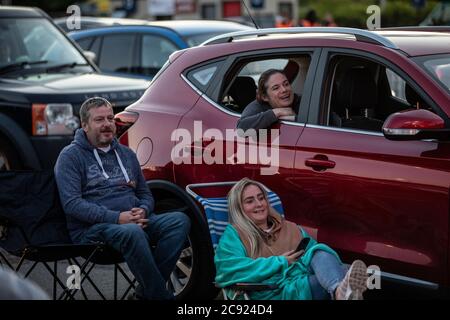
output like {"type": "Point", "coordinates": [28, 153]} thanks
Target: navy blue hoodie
{"type": "Point", "coordinates": [87, 196]}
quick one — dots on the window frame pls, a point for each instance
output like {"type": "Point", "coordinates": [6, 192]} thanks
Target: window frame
{"type": "Point", "coordinates": [230, 68]}
{"type": "Point", "coordinates": [320, 85]}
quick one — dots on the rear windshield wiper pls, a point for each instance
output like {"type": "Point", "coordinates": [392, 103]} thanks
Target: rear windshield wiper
{"type": "Point", "coordinates": [66, 65]}
{"type": "Point", "coordinates": [19, 66]}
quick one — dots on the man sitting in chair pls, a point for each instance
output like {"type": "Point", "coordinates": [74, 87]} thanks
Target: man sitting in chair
{"type": "Point", "coordinates": [106, 199]}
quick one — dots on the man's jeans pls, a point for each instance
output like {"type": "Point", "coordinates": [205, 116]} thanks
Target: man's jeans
{"type": "Point", "coordinates": [151, 268]}
{"type": "Point", "coordinates": [328, 272]}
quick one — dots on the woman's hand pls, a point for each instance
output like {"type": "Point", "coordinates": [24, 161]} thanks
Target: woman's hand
{"type": "Point", "coordinates": [283, 112]}
{"type": "Point", "coordinates": [292, 256]}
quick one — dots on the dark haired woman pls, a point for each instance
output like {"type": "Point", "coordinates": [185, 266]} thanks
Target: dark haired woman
{"type": "Point", "coordinates": [275, 101]}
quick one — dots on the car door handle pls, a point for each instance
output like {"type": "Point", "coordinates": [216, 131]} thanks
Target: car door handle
{"type": "Point", "coordinates": [320, 163]}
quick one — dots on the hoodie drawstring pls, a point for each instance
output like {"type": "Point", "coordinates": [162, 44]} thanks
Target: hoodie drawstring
{"type": "Point", "coordinates": [125, 174]}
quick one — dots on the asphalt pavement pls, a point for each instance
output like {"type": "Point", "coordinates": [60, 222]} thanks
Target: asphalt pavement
{"type": "Point", "coordinates": [101, 276]}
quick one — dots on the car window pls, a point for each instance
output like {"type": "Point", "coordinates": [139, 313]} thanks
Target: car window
{"type": "Point", "coordinates": [201, 76]}
{"type": "Point", "coordinates": [33, 39]}
{"type": "Point", "coordinates": [242, 89]}
{"type": "Point", "coordinates": [438, 67]}
{"type": "Point", "coordinates": [396, 85]}
{"type": "Point", "coordinates": [155, 52]}
{"type": "Point", "coordinates": [122, 46]}
{"type": "Point", "coordinates": [361, 94]}
{"type": "Point", "coordinates": [85, 43]}
{"type": "Point", "coordinates": [95, 47]}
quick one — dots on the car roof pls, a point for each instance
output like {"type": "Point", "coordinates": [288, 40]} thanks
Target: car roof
{"type": "Point", "coordinates": [182, 27]}
{"type": "Point", "coordinates": [189, 27]}
{"type": "Point", "coordinates": [413, 43]}
{"type": "Point", "coordinates": [418, 43]}
{"type": "Point", "coordinates": [20, 12]}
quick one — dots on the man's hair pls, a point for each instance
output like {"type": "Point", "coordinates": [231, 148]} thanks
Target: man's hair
{"type": "Point", "coordinates": [262, 83]}
{"type": "Point", "coordinates": [94, 102]}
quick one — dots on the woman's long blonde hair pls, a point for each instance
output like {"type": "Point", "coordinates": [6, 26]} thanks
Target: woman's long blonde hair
{"type": "Point", "coordinates": [239, 219]}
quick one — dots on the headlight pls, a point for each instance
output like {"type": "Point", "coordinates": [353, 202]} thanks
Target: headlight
{"type": "Point", "coordinates": [53, 119]}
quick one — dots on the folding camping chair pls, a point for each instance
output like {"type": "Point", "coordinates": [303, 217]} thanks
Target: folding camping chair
{"type": "Point", "coordinates": [34, 228]}
{"type": "Point", "coordinates": [216, 211]}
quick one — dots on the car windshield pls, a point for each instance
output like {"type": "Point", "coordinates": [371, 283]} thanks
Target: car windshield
{"type": "Point", "coordinates": [438, 66]}
{"type": "Point", "coordinates": [29, 43]}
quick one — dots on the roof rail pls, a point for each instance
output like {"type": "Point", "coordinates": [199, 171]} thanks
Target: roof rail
{"type": "Point", "coordinates": [360, 34]}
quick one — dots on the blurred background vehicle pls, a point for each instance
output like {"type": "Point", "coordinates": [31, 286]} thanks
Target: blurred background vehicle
{"type": "Point", "coordinates": [44, 78]}
{"type": "Point", "coordinates": [439, 16]}
{"type": "Point", "coordinates": [140, 48]}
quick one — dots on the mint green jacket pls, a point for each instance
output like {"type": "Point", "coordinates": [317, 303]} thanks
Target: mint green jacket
{"type": "Point", "coordinates": [234, 266]}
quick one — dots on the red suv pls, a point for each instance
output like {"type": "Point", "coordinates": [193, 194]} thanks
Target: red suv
{"type": "Point", "coordinates": [365, 167]}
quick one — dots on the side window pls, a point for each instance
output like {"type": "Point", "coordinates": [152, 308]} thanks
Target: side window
{"type": "Point", "coordinates": [361, 94]}
{"type": "Point", "coordinates": [396, 85]}
{"type": "Point", "coordinates": [155, 52]}
{"type": "Point", "coordinates": [85, 43]}
{"type": "Point", "coordinates": [201, 76]}
{"type": "Point", "coordinates": [242, 88]}
{"type": "Point", "coordinates": [95, 48]}
{"type": "Point", "coordinates": [122, 45]}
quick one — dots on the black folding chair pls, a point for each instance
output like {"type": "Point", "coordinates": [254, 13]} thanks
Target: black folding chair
{"type": "Point", "coordinates": [34, 229]}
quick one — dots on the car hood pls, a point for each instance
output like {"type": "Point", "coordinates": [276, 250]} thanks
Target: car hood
{"type": "Point", "coordinates": [70, 88]}
{"type": "Point", "coordinates": [70, 83]}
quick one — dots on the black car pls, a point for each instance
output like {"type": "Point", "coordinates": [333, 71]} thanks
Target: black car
{"type": "Point", "coordinates": [44, 78]}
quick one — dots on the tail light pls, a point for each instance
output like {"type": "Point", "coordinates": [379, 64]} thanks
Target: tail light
{"type": "Point", "coordinates": [53, 119]}
{"type": "Point", "coordinates": [124, 120]}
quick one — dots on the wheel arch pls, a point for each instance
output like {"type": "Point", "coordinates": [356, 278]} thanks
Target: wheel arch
{"type": "Point", "coordinates": [19, 140]}
{"type": "Point", "coordinates": [204, 274]}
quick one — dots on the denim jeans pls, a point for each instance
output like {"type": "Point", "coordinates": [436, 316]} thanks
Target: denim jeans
{"type": "Point", "coordinates": [328, 272]}
{"type": "Point", "coordinates": [151, 268]}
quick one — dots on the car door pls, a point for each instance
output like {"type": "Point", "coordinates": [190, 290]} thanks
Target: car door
{"type": "Point", "coordinates": [271, 162]}
{"type": "Point", "coordinates": [384, 201]}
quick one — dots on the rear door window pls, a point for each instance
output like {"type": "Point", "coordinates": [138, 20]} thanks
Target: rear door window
{"type": "Point", "coordinates": [122, 60]}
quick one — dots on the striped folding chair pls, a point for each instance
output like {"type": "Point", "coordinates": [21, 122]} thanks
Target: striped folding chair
{"type": "Point", "coordinates": [216, 212]}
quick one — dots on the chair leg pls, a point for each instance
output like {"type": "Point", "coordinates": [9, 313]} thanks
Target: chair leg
{"type": "Point", "coordinates": [83, 292]}
{"type": "Point", "coordinates": [7, 263]}
{"type": "Point", "coordinates": [125, 276]}
{"type": "Point", "coordinates": [55, 270]}
{"type": "Point", "coordinates": [66, 291]}
{"type": "Point", "coordinates": [115, 282]}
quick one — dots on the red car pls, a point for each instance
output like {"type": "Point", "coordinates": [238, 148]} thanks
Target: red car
{"type": "Point", "coordinates": [364, 168]}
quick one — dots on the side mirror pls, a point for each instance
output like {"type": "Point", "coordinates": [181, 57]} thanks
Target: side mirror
{"type": "Point", "coordinates": [415, 125]}
{"type": "Point", "coordinates": [90, 55]}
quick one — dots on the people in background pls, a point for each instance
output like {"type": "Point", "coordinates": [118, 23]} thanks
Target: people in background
{"type": "Point", "coordinates": [310, 19]}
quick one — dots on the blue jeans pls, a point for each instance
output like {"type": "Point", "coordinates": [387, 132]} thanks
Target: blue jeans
{"type": "Point", "coordinates": [151, 268]}
{"type": "Point", "coordinates": [328, 272]}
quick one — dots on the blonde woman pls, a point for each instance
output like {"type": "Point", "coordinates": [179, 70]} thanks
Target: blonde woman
{"type": "Point", "coordinates": [259, 246]}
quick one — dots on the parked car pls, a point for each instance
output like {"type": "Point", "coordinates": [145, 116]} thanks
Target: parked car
{"type": "Point", "coordinates": [365, 166]}
{"type": "Point", "coordinates": [44, 78]}
{"type": "Point", "coordinates": [439, 16]}
{"type": "Point", "coordinates": [140, 48]}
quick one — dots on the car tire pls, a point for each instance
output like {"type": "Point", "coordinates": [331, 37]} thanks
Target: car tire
{"type": "Point", "coordinates": [193, 276]}
{"type": "Point", "coordinates": [9, 159]}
